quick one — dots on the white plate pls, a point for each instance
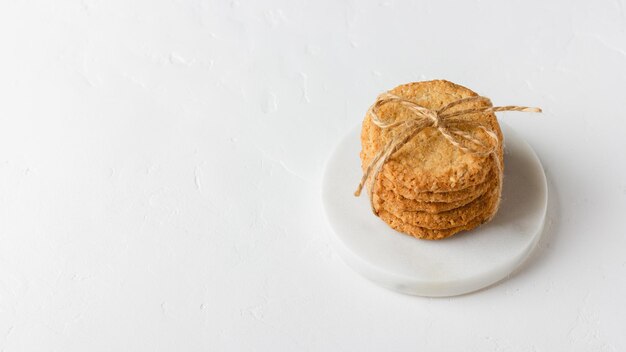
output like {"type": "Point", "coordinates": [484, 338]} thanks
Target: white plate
{"type": "Point", "coordinates": [465, 262]}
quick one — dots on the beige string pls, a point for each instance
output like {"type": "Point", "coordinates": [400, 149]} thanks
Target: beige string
{"type": "Point", "coordinates": [447, 123]}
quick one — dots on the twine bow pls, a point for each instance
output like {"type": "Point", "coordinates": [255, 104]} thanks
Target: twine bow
{"type": "Point", "coordinates": [448, 123]}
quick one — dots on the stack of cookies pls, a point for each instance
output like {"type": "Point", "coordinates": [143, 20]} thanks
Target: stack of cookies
{"type": "Point", "coordinates": [429, 187]}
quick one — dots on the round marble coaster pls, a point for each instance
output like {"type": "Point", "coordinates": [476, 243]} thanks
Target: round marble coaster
{"type": "Point", "coordinates": [465, 262]}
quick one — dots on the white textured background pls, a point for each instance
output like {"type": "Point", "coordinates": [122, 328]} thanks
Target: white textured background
{"type": "Point", "coordinates": [160, 168]}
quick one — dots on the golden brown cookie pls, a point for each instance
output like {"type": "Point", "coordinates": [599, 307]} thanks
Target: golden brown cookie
{"type": "Point", "coordinates": [470, 192]}
{"type": "Point", "coordinates": [430, 234]}
{"type": "Point", "coordinates": [447, 219]}
{"type": "Point", "coordinates": [393, 200]}
{"type": "Point", "coordinates": [390, 200]}
{"type": "Point", "coordinates": [429, 162]}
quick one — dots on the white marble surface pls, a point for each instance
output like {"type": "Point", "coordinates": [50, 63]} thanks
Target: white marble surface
{"type": "Point", "coordinates": [463, 263]}
{"type": "Point", "coordinates": [161, 161]}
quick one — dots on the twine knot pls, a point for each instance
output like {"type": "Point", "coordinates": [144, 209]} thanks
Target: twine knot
{"type": "Point", "coordinates": [450, 124]}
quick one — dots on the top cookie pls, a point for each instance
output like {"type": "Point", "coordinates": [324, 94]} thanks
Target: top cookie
{"type": "Point", "coordinates": [429, 162]}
